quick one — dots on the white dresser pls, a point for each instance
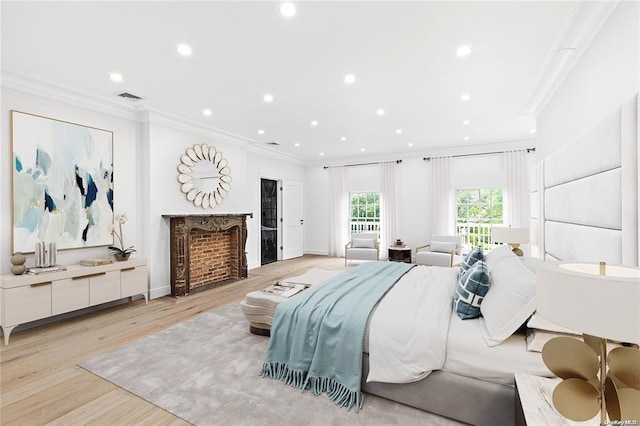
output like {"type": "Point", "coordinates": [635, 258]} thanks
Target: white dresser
{"type": "Point", "coordinates": [25, 298]}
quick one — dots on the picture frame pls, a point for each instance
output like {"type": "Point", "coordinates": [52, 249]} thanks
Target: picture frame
{"type": "Point", "coordinates": [62, 183]}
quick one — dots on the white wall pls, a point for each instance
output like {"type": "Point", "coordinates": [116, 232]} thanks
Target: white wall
{"type": "Point", "coordinates": [605, 76]}
{"type": "Point", "coordinates": [127, 185]}
{"type": "Point", "coordinates": [147, 150]}
{"type": "Point", "coordinates": [411, 181]}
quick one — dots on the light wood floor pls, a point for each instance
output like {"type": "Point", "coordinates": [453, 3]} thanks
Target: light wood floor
{"type": "Point", "coordinates": [41, 383]}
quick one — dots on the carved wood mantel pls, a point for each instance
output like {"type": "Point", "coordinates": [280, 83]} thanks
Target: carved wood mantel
{"type": "Point", "coordinates": [180, 230]}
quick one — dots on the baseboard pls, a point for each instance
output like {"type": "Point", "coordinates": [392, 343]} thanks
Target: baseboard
{"type": "Point", "coordinates": [155, 293]}
{"type": "Point", "coordinates": [317, 252]}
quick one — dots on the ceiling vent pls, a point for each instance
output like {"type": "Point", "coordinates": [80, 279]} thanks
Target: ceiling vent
{"type": "Point", "coordinates": [130, 96]}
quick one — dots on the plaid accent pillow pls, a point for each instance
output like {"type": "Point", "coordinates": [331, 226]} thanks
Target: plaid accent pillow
{"type": "Point", "coordinates": [475, 255]}
{"type": "Point", "coordinates": [471, 289]}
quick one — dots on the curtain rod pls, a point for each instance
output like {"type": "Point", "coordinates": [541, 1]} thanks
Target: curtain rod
{"type": "Point", "coordinates": [479, 153]}
{"type": "Point", "coordinates": [362, 164]}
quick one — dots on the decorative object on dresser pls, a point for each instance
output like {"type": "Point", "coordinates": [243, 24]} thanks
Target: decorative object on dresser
{"type": "Point", "coordinates": [601, 301]}
{"type": "Point", "coordinates": [204, 176]}
{"type": "Point", "coordinates": [62, 183]}
{"type": "Point", "coordinates": [17, 263]}
{"type": "Point", "coordinates": [27, 298]}
{"type": "Point", "coordinates": [514, 236]}
{"type": "Point", "coordinates": [46, 254]}
{"type": "Point", "coordinates": [121, 253]}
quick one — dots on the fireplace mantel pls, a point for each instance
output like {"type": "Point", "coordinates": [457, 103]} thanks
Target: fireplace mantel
{"type": "Point", "coordinates": [181, 226]}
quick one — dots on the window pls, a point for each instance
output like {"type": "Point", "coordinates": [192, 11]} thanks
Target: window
{"type": "Point", "coordinates": [477, 210]}
{"type": "Point", "coordinates": [364, 212]}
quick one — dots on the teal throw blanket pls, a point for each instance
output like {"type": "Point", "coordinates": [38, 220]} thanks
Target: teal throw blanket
{"type": "Point", "coordinates": [317, 336]}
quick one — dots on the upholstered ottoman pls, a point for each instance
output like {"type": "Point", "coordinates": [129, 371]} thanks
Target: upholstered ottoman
{"type": "Point", "coordinates": [259, 307]}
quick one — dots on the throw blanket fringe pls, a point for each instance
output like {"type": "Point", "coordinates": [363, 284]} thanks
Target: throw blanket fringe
{"type": "Point", "coordinates": [316, 337]}
{"type": "Point", "coordinates": [338, 393]}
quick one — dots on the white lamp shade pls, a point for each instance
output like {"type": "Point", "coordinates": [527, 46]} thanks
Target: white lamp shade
{"type": "Point", "coordinates": [510, 234]}
{"type": "Point", "coordinates": [576, 296]}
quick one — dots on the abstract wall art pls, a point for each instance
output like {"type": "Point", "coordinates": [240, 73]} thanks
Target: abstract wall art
{"type": "Point", "coordinates": [62, 183]}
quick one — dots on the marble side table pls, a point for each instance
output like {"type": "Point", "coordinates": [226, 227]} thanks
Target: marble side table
{"type": "Point", "coordinates": [534, 403]}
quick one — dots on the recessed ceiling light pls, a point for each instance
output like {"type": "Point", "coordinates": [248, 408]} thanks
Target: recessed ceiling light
{"type": "Point", "coordinates": [380, 111]}
{"type": "Point", "coordinates": [261, 132]}
{"type": "Point", "coordinates": [321, 154]}
{"type": "Point", "coordinates": [296, 145]}
{"type": "Point", "coordinates": [532, 131]}
{"type": "Point", "coordinates": [409, 144]}
{"type": "Point", "coordinates": [184, 49]}
{"type": "Point", "coordinates": [114, 76]}
{"type": "Point", "coordinates": [465, 97]}
{"type": "Point", "coordinates": [361, 149]}
{"type": "Point", "coordinates": [206, 112]}
{"type": "Point", "coordinates": [466, 138]}
{"type": "Point", "coordinates": [314, 123]}
{"type": "Point", "coordinates": [268, 98]}
{"type": "Point", "coordinates": [463, 50]}
{"type": "Point", "coordinates": [349, 78]}
{"type": "Point", "coordinates": [287, 9]}
{"type": "Point", "coordinates": [398, 131]}
{"type": "Point", "coordinates": [466, 122]}
{"type": "Point", "coordinates": [344, 138]}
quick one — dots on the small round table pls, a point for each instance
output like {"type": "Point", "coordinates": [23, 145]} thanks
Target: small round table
{"type": "Point", "coordinates": [399, 254]}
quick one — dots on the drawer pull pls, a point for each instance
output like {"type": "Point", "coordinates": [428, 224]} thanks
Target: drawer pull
{"type": "Point", "coordinates": [128, 269]}
{"type": "Point", "coordinates": [89, 276]}
{"type": "Point", "coordinates": [41, 284]}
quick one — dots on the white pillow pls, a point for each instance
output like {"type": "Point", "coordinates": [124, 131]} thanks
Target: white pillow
{"type": "Point", "coordinates": [443, 246]}
{"type": "Point", "coordinates": [363, 243]}
{"type": "Point", "coordinates": [511, 298]}
{"type": "Point", "coordinates": [541, 323]}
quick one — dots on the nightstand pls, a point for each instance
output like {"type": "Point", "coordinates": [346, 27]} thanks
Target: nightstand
{"type": "Point", "coordinates": [399, 254]}
{"type": "Point", "coordinates": [534, 403]}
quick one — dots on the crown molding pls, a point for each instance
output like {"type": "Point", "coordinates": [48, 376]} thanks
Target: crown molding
{"type": "Point", "coordinates": [587, 20]}
{"type": "Point", "coordinates": [23, 83]}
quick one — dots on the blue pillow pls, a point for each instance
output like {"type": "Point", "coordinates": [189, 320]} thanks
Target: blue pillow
{"type": "Point", "coordinates": [472, 287]}
{"type": "Point", "coordinates": [475, 255]}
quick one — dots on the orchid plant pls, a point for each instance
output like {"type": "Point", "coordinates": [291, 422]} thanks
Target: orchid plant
{"type": "Point", "coordinates": [120, 219]}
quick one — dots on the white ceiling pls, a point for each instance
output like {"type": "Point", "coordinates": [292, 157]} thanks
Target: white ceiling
{"type": "Point", "coordinates": [402, 54]}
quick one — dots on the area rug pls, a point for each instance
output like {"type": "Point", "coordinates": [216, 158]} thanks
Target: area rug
{"type": "Point", "coordinates": [206, 371]}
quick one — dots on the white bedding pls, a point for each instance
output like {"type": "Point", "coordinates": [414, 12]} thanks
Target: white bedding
{"type": "Point", "coordinates": [468, 354]}
{"type": "Point", "coordinates": [414, 330]}
{"type": "Point", "coordinates": [408, 329]}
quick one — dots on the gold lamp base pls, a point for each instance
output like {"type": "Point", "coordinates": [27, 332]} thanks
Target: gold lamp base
{"type": "Point", "coordinates": [587, 387]}
{"type": "Point", "coordinates": [515, 248]}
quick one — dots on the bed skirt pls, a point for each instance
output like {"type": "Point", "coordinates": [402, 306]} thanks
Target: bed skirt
{"type": "Point", "coordinates": [462, 398]}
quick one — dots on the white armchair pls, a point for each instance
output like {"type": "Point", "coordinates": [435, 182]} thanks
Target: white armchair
{"type": "Point", "coordinates": [363, 246]}
{"type": "Point", "coordinates": [444, 250]}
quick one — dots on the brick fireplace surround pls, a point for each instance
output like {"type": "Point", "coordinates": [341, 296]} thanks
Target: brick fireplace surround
{"type": "Point", "coordinates": [207, 251]}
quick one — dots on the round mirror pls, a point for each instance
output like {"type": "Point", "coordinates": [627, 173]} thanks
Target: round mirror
{"type": "Point", "coordinates": [204, 176]}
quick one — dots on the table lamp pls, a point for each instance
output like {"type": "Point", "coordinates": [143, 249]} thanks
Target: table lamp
{"type": "Point", "coordinates": [602, 302]}
{"type": "Point", "coordinates": [514, 236]}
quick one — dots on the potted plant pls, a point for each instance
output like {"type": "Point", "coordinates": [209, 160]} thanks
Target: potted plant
{"type": "Point", "coordinates": [120, 253]}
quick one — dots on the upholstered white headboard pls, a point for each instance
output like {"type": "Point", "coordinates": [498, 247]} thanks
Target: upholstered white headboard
{"type": "Point", "coordinates": [585, 197]}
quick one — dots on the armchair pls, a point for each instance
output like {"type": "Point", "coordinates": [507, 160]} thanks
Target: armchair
{"type": "Point", "coordinates": [444, 250]}
{"type": "Point", "coordinates": [363, 246]}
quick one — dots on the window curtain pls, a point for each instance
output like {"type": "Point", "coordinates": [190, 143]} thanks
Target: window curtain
{"type": "Point", "coordinates": [516, 189]}
{"type": "Point", "coordinates": [440, 197]}
{"type": "Point", "coordinates": [388, 210]}
{"type": "Point", "coordinates": [337, 212]}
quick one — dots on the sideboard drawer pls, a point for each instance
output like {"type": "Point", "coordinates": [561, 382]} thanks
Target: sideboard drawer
{"type": "Point", "coordinates": [28, 303]}
{"type": "Point", "coordinates": [69, 295]}
{"type": "Point", "coordinates": [133, 281]}
{"type": "Point", "coordinates": [104, 287]}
